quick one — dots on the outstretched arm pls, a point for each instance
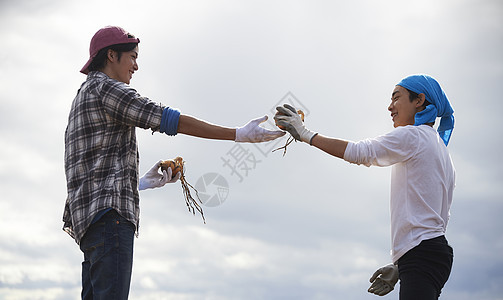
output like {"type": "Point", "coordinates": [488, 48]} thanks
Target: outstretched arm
{"type": "Point", "coordinates": [196, 127]}
{"type": "Point", "coordinates": [288, 118]}
{"type": "Point", "coordinates": [252, 132]}
{"type": "Point", "coordinates": [332, 146]}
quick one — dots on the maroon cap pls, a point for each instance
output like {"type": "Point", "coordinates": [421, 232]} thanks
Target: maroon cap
{"type": "Point", "coordinates": [107, 36]}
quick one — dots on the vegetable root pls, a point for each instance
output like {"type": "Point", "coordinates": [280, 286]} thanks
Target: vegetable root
{"type": "Point", "coordinates": [290, 139]}
{"type": "Point", "coordinates": [177, 165]}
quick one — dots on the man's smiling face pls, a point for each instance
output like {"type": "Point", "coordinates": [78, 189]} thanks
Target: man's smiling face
{"type": "Point", "coordinates": [402, 109]}
{"type": "Point", "coordinates": [122, 69]}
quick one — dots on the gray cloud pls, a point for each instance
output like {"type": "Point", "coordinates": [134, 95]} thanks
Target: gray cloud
{"type": "Point", "coordinates": [303, 226]}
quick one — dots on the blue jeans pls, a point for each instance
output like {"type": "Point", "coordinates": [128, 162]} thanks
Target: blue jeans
{"type": "Point", "coordinates": [425, 269]}
{"type": "Point", "coordinates": [108, 258]}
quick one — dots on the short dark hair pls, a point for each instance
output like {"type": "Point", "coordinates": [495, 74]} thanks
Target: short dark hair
{"type": "Point", "coordinates": [98, 62]}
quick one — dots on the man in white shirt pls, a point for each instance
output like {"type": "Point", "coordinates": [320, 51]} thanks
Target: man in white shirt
{"type": "Point", "coordinates": [422, 183]}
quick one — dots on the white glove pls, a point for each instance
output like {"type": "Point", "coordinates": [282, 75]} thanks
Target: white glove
{"type": "Point", "coordinates": [253, 133]}
{"type": "Point", "coordinates": [288, 117]}
{"type": "Point", "coordinates": [154, 179]}
{"type": "Point", "coordinates": [384, 280]}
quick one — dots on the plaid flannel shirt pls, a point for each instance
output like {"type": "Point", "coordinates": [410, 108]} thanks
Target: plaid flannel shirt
{"type": "Point", "coordinates": [101, 154]}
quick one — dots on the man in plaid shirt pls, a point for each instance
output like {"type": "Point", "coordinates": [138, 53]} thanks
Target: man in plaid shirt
{"type": "Point", "coordinates": [101, 160]}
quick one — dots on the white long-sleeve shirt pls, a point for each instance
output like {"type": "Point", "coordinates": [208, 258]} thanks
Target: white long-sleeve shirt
{"type": "Point", "coordinates": [422, 182]}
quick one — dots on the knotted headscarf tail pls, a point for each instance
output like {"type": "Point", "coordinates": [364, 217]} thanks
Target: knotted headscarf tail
{"type": "Point", "coordinates": [439, 107]}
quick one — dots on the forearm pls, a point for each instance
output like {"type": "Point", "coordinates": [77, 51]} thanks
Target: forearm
{"type": "Point", "coordinates": [332, 146]}
{"type": "Point", "coordinates": [195, 127]}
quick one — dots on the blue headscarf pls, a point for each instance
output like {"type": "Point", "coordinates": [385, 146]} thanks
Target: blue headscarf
{"type": "Point", "coordinates": [439, 107]}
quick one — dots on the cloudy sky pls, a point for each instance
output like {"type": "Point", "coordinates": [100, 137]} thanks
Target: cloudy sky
{"type": "Point", "coordinates": [302, 226]}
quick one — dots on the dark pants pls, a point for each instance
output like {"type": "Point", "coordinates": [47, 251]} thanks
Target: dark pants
{"type": "Point", "coordinates": [108, 258]}
{"type": "Point", "coordinates": [424, 269]}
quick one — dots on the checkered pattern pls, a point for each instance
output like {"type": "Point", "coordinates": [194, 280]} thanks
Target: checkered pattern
{"type": "Point", "coordinates": [101, 154]}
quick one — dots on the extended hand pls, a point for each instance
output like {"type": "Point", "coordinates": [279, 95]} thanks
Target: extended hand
{"type": "Point", "coordinates": [384, 280]}
{"type": "Point", "coordinates": [287, 117]}
{"type": "Point", "coordinates": [154, 179]}
{"type": "Point", "coordinates": [253, 133]}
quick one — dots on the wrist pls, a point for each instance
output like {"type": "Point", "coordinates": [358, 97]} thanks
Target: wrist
{"type": "Point", "coordinates": [307, 136]}
{"type": "Point", "coordinates": [239, 134]}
